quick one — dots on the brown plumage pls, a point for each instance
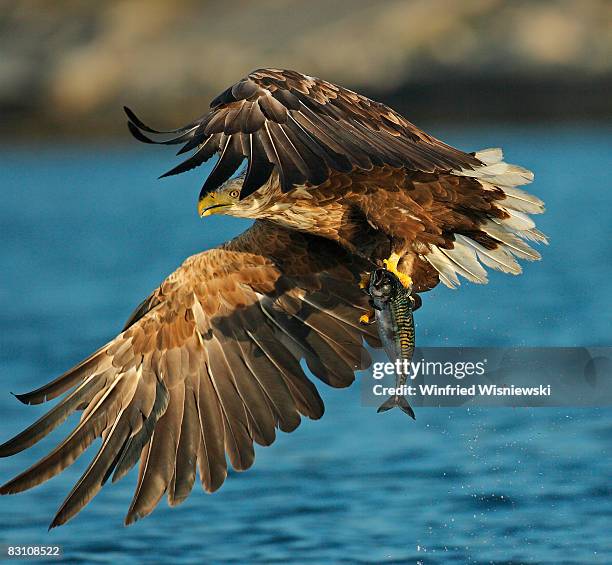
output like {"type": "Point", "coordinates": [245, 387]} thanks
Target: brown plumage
{"type": "Point", "coordinates": [287, 121]}
{"type": "Point", "coordinates": [323, 159]}
{"type": "Point", "coordinates": [207, 365]}
{"type": "Point", "coordinates": [210, 362]}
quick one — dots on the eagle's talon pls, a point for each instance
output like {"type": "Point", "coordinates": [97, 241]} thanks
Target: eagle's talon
{"type": "Point", "coordinates": [391, 266]}
{"type": "Point", "coordinates": [406, 280]}
{"type": "Point", "coordinates": [367, 318]}
{"type": "Point", "coordinates": [364, 279]}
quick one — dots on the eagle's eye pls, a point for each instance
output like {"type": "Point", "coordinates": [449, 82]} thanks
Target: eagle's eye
{"type": "Point", "coordinates": [234, 193]}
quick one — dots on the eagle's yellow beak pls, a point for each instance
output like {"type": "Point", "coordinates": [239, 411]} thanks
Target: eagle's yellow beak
{"type": "Point", "coordinates": [214, 203]}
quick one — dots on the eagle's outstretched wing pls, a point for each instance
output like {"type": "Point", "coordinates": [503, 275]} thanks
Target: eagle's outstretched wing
{"type": "Point", "coordinates": [303, 127]}
{"type": "Point", "coordinates": [207, 365]}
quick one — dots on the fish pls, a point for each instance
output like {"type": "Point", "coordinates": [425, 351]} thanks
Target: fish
{"type": "Point", "coordinates": [393, 305]}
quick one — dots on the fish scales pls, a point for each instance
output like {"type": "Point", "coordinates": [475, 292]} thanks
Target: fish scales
{"type": "Point", "coordinates": [393, 305]}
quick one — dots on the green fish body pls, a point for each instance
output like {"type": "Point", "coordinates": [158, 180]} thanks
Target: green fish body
{"type": "Point", "coordinates": [393, 306]}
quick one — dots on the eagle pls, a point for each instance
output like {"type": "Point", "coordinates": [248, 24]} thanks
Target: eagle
{"type": "Point", "coordinates": [214, 359]}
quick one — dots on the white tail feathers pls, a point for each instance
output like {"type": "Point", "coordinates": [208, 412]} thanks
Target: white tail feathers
{"type": "Point", "coordinates": [518, 220]}
{"type": "Point", "coordinates": [466, 256]}
{"type": "Point", "coordinates": [490, 156]}
{"type": "Point", "coordinates": [508, 237]}
{"type": "Point", "coordinates": [496, 171]}
{"type": "Point", "coordinates": [536, 235]}
{"type": "Point", "coordinates": [498, 258]}
{"type": "Point", "coordinates": [517, 199]}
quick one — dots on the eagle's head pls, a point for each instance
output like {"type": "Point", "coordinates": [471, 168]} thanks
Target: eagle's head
{"type": "Point", "coordinates": [224, 200]}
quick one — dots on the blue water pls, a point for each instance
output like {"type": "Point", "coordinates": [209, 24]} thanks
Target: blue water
{"type": "Point", "coordinates": [87, 232]}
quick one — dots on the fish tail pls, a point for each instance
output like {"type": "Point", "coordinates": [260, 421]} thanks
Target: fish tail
{"type": "Point", "coordinates": [399, 402]}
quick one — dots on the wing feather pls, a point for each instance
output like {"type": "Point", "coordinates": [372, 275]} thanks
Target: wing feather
{"type": "Point", "coordinates": [259, 416]}
{"type": "Point", "coordinates": [211, 458]}
{"type": "Point", "coordinates": [270, 381]}
{"type": "Point", "coordinates": [238, 440]}
{"type": "Point", "coordinates": [204, 152]}
{"type": "Point", "coordinates": [104, 410]}
{"type": "Point", "coordinates": [159, 467]}
{"type": "Point", "coordinates": [231, 158]}
{"type": "Point", "coordinates": [345, 129]}
{"type": "Point", "coordinates": [187, 451]}
{"type": "Point", "coordinates": [56, 416]}
{"type": "Point", "coordinates": [303, 392]}
{"type": "Point", "coordinates": [206, 367]}
{"type": "Point", "coordinates": [151, 403]}
{"type": "Point", "coordinates": [67, 380]}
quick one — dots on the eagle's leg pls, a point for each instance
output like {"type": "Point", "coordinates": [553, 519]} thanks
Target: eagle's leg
{"type": "Point", "coordinates": [391, 265]}
{"type": "Point", "coordinates": [364, 280]}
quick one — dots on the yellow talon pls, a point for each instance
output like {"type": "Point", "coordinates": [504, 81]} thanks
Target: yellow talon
{"type": "Point", "coordinates": [406, 280]}
{"type": "Point", "coordinates": [364, 319]}
{"type": "Point", "coordinates": [391, 262]}
{"type": "Point", "coordinates": [391, 266]}
{"type": "Point", "coordinates": [364, 280]}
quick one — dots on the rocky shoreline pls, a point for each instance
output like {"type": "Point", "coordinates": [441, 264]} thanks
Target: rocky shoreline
{"type": "Point", "coordinates": [68, 67]}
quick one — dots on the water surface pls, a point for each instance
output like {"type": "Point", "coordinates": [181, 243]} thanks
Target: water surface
{"type": "Point", "coordinates": [87, 232]}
